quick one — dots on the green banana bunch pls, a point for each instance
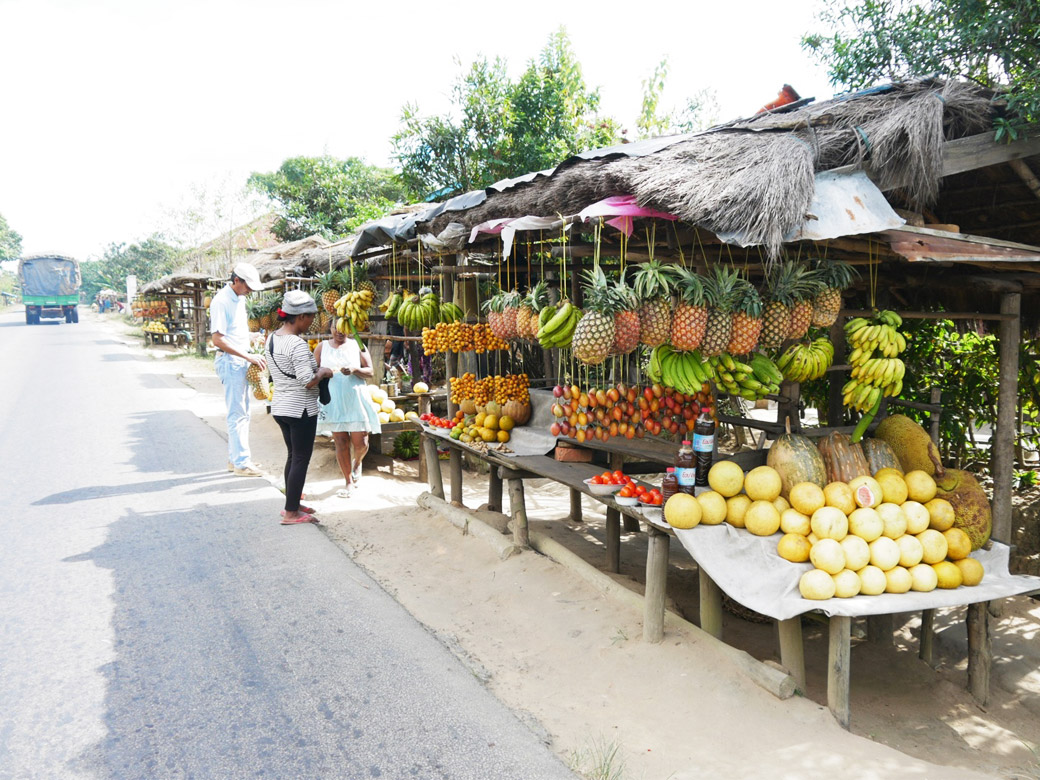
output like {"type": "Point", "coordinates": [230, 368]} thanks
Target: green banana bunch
{"type": "Point", "coordinates": [802, 362]}
{"type": "Point", "coordinates": [419, 311]}
{"type": "Point", "coordinates": [449, 313]}
{"type": "Point", "coordinates": [753, 379]}
{"type": "Point", "coordinates": [556, 325]}
{"type": "Point", "coordinates": [684, 371]}
{"type": "Point", "coordinates": [877, 372]}
{"type": "Point", "coordinates": [392, 303]}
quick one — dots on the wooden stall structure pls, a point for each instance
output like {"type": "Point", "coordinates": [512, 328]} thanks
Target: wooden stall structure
{"type": "Point", "coordinates": [903, 182]}
{"type": "Point", "coordinates": [185, 312]}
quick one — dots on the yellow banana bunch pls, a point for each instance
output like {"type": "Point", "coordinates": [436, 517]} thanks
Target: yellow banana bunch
{"type": "Point", "coordinates": [802, 362]}
{"type": "Point", "coordinates": [877, 371]}
{"type": "Point", "coordinates": [354, 305]}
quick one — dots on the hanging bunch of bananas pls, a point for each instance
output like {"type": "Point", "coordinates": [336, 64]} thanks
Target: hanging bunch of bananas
{"type": "Point", "coordinates": [877, 371]}
{"type": "Point", "coordinates": [751, 379]}
{"type": "Point", "coordinates": [450, 313]}
{"type": "Point", "coordinates": [354, 306]}
{"type": "Point", "coordinates": [684, 371]}
{"type": "Point", "coordinates": [420, 311]}
{"type": "Point", "coordinates": [393, 301]}
{"type": "Point", "coordinates": [802, 362]}
{"type": "Point", "coordinates": [556, 325]}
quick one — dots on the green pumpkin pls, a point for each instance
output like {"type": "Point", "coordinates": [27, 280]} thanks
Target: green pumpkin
{"type": "Point", "coordinates": [796, 459]}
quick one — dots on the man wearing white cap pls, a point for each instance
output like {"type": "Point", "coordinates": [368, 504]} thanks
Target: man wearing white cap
{"type": "Point", "coordinates": [230, 327]}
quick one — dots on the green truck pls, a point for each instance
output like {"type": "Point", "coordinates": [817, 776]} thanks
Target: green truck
{"type": "Point", "coordinates": [50, 287]}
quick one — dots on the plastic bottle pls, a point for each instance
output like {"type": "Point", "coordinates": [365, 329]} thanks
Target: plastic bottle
{"type": "Point", "coordinates": [669, 485]}
{"type": "Point", "coordinates": [685, 468]}
{"type": "Point", "coordinates": [703, 446]}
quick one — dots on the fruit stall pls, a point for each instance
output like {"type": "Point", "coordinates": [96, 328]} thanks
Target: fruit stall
{"type": "Point", "coordinates": [175, 310]}
{"type": "Point", "coordinates": [583, 335]}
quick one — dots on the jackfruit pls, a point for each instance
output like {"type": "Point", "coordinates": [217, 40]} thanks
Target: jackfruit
{"type": "Point", "coordinates": [911, 444]}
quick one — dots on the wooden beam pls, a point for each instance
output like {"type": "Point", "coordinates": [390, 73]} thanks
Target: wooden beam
{"type": "Point", "coordinates": [1024, 172]}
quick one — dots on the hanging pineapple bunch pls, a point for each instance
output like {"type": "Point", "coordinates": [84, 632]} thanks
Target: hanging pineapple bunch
{"type": "Point", "coordinates": [321, 320]}
{"type": "Point", "coordinates": [805, 292]}
{"type": "Point", "coordinates": [531, 306]}
{"type": "Point", "coordinates": [690, 318]}
{"type": "Point", "coordinates": [329, 290]}
{"type": "Point", "coordinates": [835, 277]}
{"type": "Point", "coordinates": [781, 284]}
{"type": "Point", "coordinates": [722, 292]}
{"type": "Point", "coordinates": [747, 320]}
{"type": "Point", "coordinates": [594, 333]}
{"type": "Point", "coordinates": [653, 289]}
{"type": "Point", "coordinates": [626, 319]}
{"type": "Point", "coordinates": [253, 314]}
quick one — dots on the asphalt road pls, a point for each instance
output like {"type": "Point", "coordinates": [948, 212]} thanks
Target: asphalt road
{"type": "Point", "coordinates": [155, 622]}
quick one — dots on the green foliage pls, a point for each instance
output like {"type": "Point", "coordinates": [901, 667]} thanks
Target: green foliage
{"type": "Point", "coordinates": [148, 261]}
{"type": "Point", "coordinates": [326, 196]}
{"type": "Point", "coordinates": [498, 128]}
{"type": "Point", "coordinates": [995, 43]}
{"type": "Point", "coordinates": [10, 242]}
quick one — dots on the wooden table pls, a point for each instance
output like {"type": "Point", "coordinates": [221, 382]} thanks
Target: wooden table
{"type": "Point", "coordinates": [515, 469]}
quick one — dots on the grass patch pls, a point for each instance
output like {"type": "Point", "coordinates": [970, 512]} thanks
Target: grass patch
{"type": "Point", "coordinates": [600, 760]}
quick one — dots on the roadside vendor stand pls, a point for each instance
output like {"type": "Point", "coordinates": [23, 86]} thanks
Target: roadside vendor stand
{"type": "Point", "coordinates": [554, 225]}
{"type": "Point", "coordinates": [180, 303]}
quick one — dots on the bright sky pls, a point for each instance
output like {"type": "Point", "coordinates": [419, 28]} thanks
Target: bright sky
{"type": "Point", "coordinates": [115, 110]}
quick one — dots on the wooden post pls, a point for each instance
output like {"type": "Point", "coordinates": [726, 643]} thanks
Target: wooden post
{"type": "Point", "coordinates": [494, 490]}
{"type": "Point", "coordinates": [656, 585]}
{"type": "Point", "coordinates": [880, 629]}
{"type": "Point", "coordinates": [433, 466]}
{"type": "Point", "coordinates": [455, 472]}
{"type": "Point", "coordinates": [926, 651]}
{"type": "Point", "coordinates": [933, 417]}
{"type": "Point", "coordinates": [518, 511]}
{"type": "Point", "coordinates": [835, 408]}
{"type": "Point", "coordinates": [792, 650]}
{"type": "Point", "coordinates": [1003, 443]}
{"type": "Point", "coordinates": [789, 409]}
{"type": "Point", "coordinates": [575, 506]}
{"type": "Point", "coordinates": [613, 540]}
{"type": "Point", "coordinates": [838, 668]}
{"type": "Point", "coordinates": [980, 651]}
{"type": "Point", "coordinates": [711, 605]}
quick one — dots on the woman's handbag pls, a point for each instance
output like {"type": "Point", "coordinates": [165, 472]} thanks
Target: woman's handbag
{"type": "Point", "coordinates": [324, 396]}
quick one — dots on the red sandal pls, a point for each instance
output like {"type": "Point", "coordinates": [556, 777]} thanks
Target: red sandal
{"type": "Point", "coordinates": [305, 509]}
{"type": "Point", "coordinates": [298, 519]}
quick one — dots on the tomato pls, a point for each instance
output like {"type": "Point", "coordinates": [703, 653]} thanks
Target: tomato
{"type": "Point", "coordinates": [625, 492]}
{"type": "Point", "coordinates": [596, 480]}
{"type": "Point", "coordinates": [606, 477]}
{"type": "Point", "coordinates": [658, 500]}
{"type": "Point", "coordinates": [618, 474]}
{"type": "Point", "coordinates": [640, 490]}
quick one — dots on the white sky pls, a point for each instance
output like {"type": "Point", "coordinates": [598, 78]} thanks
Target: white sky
{"type": "Point", "coordinates": [114, 110]}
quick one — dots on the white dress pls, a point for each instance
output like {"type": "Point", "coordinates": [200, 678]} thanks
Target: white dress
{"type": "Point", "coordinates": [349, 409]}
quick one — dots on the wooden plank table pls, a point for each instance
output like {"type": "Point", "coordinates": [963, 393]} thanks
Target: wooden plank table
{"type": "Point", "coordinates": [515, 469]}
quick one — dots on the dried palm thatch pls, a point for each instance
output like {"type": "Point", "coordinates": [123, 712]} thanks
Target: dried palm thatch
{"type": "Point", "coordinates": [755, 177]}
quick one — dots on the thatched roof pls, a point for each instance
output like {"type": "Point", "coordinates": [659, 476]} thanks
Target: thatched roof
{"type": "Point", "coordinates": [756, 177]}
{"type": "Point", "coordinates": [286, 259]}
{"type": "Point", "coordinates": [174, 282]}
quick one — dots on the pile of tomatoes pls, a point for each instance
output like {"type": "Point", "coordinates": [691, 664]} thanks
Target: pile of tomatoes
{"type": "Point", "coordinates": [646, 496]}
{"type": "Point", "coordinates": [435, 421]}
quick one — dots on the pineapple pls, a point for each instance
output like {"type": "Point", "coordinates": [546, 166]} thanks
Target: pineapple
{"type": "Point", "coordinates": [502, 314]}
{"type": "Point", "coordinates": [691, 316]}
{"type": "Point", "coordinates": [328, 286]}
{"type": "Point", "coordinates": [253, 315]}
{"type": "Point", "coordinates": [652, 287]}
{"type": "Point", "coordinates": [360, 279]}
{"type": "Point", "coordinates": [747, 320]}
{"type": "Point", "coordinates": [594, 333]}
{"type": "Point", "coordinates": [626, 319]}
{"type": "Point", "coordinates": [835, 277]}
{"type": "Point", "coordinates": [722, 291]}
{"type": "Point", "coordinates": [779, 297]}
{"type": "Point", "coordinates": [527, 315]}
{"type": "Point", "coordinates": [805, 293]}
{"type": "Point", "coordinates": [510, 312]}
{"type": "Point", "coordinates": [266, 308]}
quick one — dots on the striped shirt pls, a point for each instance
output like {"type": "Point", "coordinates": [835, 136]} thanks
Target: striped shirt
{"type": "Point", "coordinates": [292, 357]}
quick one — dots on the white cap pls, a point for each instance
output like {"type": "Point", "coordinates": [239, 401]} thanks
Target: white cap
{"type": "Point", "coordinates": [248, 274]}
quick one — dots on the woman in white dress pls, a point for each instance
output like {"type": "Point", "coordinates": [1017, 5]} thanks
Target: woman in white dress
{"type": "Point", "coordinates": [349, 416]}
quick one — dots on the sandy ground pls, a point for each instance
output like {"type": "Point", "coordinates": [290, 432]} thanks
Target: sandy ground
{"type": "Point", "coordinates": [573, 664]}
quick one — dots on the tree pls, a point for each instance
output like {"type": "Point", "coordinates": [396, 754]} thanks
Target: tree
{"type": "Point", "coordinates": [498, 128]}
{"type": "Point", "coordinates": [326, 196]}
{"type": "Point", "coordinates": [701, 110]}
{"type": "Point", "coordinates": [995, 43]}
{"type": "Point", "coordinates": [148, 261]}
{"type": "Point", "coordinates": [10, 242]}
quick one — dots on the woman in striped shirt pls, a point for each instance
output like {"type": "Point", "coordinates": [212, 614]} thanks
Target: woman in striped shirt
{"type": "Point", "coordinates": [295, 404]}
